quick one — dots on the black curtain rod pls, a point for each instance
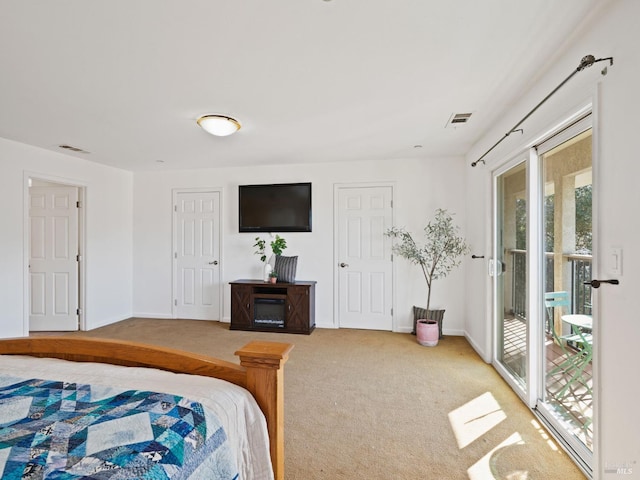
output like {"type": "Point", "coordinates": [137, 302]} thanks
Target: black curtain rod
{"type": "Point", "coordinates": [586, 62]}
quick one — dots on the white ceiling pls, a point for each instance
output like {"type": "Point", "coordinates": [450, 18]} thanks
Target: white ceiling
{"type": "Point", "coordinates": [310, 80]}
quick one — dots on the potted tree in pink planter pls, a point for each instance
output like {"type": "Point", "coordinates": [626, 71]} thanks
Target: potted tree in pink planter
{"type": "Point", "coordinates": [440, 253]}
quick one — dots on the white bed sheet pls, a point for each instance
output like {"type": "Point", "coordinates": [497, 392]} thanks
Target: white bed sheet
{"type": "Point", "coordinates": [234, 406]}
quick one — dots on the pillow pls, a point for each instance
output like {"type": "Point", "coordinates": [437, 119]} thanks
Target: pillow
{"type": "Point", "coordinates": [418, 314]}
{"type": "Point", "coordinates": [285, 267]}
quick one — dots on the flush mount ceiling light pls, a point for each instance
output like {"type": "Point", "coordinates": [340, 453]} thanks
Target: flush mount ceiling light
{"type": "Point", "coordinates": [219, 125]}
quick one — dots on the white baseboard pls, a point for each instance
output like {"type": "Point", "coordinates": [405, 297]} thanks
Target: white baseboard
{"type": "Point", "coordinates": [403, 330]}
{"type": "Point", "coordinates": [453, 332]}
{"type": "Point", "coordinates": [479, 351]}
{"type": "Point", "coordinates": [326, 325]}
{"type": "Point", "coordinates": [171, 317]}
{"type": "Point", "coordinates": [106, 322]}
{"type": "Point", "coordinates": [153, 315]}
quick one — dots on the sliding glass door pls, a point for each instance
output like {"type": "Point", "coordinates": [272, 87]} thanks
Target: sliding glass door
{"type": "Point", "coordinates": [510, 272]}
{"type": "Point", "coordinates": [566, 401]}
{"type": "Point", "coordinates": [542, 266]}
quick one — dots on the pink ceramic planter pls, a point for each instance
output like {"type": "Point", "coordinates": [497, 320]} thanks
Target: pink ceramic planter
{"type": "Point", "coordinates": [427, 332]}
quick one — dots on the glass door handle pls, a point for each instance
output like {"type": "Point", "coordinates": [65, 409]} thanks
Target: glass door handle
{"type": "Point", "coordinates": [597, 283]}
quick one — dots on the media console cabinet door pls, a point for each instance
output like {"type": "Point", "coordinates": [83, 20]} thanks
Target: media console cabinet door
{"type": "Point", "coordinates": [298, 309]}
{"type": "Point", "coordinates": [241, 311]}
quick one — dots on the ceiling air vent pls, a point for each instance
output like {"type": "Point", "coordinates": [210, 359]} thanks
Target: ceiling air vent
{"type": "Point", "coordinates": [458, 119]}
{"type": "Point", "coordinates": [73, 149]}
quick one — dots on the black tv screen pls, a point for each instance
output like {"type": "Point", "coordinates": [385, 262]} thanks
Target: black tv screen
{"type": "Point", "coordinates": [283, 207]}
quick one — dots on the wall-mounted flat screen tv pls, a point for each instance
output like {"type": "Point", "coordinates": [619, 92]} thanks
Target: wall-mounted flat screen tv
{"type": "Point", "coordinates": [282, 207]}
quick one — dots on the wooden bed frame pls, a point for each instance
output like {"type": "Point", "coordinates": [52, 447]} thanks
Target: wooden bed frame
{"type": "Point", "coordinates": [260, 370]}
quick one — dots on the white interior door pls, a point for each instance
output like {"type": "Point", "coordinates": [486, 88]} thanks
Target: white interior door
{"type": "Point", "coordinates": [53, 262]}
{"type": "Point", "coordinates": [364, 258]}
{"type": "Point", "coordinates": [197, 255]}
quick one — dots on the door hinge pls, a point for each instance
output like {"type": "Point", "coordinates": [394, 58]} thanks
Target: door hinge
{"type": "Point", "coordinates": [175, 254]}
{"type": "Point", "coordinates": [496, 268]}
{"type": "Point", "coordinates": [391, 203]}
{"type": "Point", "coordinates": [175, 302]}
{"type": "Point", "coordinates": [78, 204]}
{"type": "Point", "coordinates": [78, 311]}
{"type": "Point", "coordinates": [492, 267]}
{"type": "Point", "coordinates": [175, 208]}
{"type": "Point", "coordinates": [78, 258]}
{"type": "Point", "coordinates": [392, 311]}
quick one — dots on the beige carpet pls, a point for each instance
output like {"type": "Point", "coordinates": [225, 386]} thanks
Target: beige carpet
{"type": "Point", "coordinates": [377, 405]}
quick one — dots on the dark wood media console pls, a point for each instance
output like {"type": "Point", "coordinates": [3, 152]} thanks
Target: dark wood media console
{"type": "Point", "coordinates": [273, 307]}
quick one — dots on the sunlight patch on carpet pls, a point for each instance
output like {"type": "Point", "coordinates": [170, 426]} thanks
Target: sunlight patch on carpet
{"type": "Point", "coordinates": [491, 466]}
{"type": "Point", "coordinates": [545, 436]}
{"type": "Point", "coordinates": [475, 418]}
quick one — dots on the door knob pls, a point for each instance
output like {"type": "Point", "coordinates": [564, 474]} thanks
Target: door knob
{"type": "Point", "coordinates": [343, 265]}
{"type": "Point", "coordinates": [215, 262]}
{"type": "Point", "coordinates": [597, 283]}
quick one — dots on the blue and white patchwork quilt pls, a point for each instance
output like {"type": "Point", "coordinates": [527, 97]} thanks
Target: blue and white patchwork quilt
{"type": "Point", "coordinates": [59, 430]}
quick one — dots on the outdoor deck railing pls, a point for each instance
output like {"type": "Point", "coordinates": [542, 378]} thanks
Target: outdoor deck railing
{"type": "Point", "coordinates": [580, 273]}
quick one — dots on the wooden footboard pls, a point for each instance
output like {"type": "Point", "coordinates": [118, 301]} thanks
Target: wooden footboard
{"type": "Point", "coordinates": [260, 370]}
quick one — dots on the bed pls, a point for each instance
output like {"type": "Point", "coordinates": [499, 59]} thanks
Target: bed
{"type": "Point", "coordinates": [124, 367]}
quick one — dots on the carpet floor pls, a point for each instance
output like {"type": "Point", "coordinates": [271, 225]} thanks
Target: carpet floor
{"type": "Point", "coordinates": [376, 405]}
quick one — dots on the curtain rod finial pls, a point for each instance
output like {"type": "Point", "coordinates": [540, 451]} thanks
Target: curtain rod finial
{"type": "Point", "coordinates": [586, 62]}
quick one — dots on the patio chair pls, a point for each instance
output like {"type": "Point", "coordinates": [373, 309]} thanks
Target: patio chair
{"type": "Point", "coordinates": [575, 362]}
{"type": "Point", "coordinates": [553, 300]}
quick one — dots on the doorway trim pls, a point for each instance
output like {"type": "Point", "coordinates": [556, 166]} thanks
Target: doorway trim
{"type": "Point", "coordinates": [82, 235]}
{"type": "Point", "coordinates": [174, 245]}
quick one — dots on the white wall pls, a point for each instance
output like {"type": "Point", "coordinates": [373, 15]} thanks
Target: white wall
{"type": "Point", "coordinates": [478, 296]}
{"type": "Point", "coordinates": [617, 95]}
{"type": "Point", "coordinates": [421, 186]}
{"type": "Point", "coordinates": [108, 233]}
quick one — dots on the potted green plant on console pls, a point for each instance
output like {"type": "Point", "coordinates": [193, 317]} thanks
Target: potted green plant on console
{"type": "Point", "coordinates": [440, 253]}
{"type": "Point", "coordinates": [278, 244]}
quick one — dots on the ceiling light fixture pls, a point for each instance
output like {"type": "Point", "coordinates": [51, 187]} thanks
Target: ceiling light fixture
{"type": "Point", "coordinates": [219, 125]}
